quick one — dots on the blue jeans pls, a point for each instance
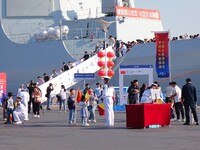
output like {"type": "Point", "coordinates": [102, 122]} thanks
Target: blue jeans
{"type": "Point", "coordinates": [72, 116]}
{"type": "Point", "coordinates": [62, 101]}
{"type": "Point", "coordinates": [48, 101]}
{"type": "Point", "coordinates": [9, 111]}
{"type": "Point", "coordinates": [92, 112]}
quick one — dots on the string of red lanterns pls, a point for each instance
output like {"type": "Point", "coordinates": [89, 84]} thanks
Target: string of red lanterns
{"type": "Point", "coordinates": [102, 64]}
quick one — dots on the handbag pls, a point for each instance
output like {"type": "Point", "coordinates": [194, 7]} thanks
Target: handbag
{"type": "Point", "coordinates": [38, 99]}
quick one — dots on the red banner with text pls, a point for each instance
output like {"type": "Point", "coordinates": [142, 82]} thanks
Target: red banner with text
{"type": "Point", "coordinates": [162, 54]}
{"type": "Point", "coordinates": [2, 86]}
{"type": "Point", "coordinates": [137, 13]}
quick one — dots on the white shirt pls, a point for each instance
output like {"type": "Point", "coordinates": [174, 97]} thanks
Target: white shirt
{"type": "Point", "coordinates": [25, 98]}
{"type": "Point", "coordinates": [10, 103]}
{"type": "Point", "coordinates": [63, 94]}
{"type": "Point", "coordinates": [146, 96]}
{"type": "Point", "coordinates": [178, 91]}
{"type": "Point", "coordinates": [169, 91]}
{"type": "Point", "coordinates": [20, 108]}
{"type": "Point", "coordinates": [107, 91]}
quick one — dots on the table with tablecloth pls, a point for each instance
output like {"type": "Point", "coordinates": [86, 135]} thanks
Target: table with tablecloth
{"type": "Point", "coordinates": [143, 115]}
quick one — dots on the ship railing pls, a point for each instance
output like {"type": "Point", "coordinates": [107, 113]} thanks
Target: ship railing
{"type": "Point", "coordinates": [89, 13]}
{"type": "Point", "coordinates": [94, 33]}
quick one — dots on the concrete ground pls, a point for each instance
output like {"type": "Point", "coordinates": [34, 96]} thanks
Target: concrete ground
{"type": "Point", "coordinates": [52, 132]}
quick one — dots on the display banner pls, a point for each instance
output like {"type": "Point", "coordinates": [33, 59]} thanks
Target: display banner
{"type": "Point", "coordinates": [162, 54]}
{"type": "Point", "coordinates": [137, 13]}
{"type": "Point", "coordinates": [2, 86]}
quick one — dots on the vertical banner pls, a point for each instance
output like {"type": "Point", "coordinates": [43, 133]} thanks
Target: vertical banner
{"type": "Point", "coordinates": [2, 86]}
{"type": "Point", "coordinates": [162, 54]}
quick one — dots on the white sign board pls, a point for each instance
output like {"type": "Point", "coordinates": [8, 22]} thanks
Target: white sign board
{"type": "Point", "coordinates": [133, 70]}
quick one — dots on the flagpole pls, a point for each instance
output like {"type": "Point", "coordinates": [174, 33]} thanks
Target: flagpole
{"type": "Point", "coordinates": [170, 63]}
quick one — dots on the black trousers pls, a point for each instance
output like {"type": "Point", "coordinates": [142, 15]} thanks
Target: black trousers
{"type": "Point", "coordinates": [192, 106]}
{"type": "Point", "coordinates": [31, 101]}
{"type": "Point", "coordinates": [132, 99]}
{"type": "Point", "coordinates": [37, 108]}
{"type": "Point", "coordinates": [179, 109]}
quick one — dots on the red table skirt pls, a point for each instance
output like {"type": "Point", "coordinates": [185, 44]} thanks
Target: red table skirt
{"type": "Point", "coordinates": [143, 115]}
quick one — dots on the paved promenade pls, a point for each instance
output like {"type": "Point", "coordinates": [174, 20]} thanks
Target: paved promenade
{"type": "Point", "coordinates": [52, 132]}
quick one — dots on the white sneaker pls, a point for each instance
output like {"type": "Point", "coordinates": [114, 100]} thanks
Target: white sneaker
{"type": "Point", "coordinates": [89, 120]}
{"type": "Point", "coordinates": [35, 116]}
{"type": "Point", "coordinates": [94, 121]}
{"type": "Point", "coordinates": [26, 119]}
{"type": "Point", "coordinates": [183, 120]}
{"type": "Point", "coordinates": [18, 122]}
{"type": "Point", "coordinates": [179, 120]}
{"type": "Point", "coordinates": [38, 116]}
{"type": "Point", "coordinates": [86, 124]}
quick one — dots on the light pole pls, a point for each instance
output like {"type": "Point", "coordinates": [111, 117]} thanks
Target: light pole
{"type": "Point", "coordinates": [60, 24]}
{"type": "Point", "coordinates": [105, 27]}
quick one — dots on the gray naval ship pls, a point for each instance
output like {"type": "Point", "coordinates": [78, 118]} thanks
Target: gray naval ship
{"type": "Point", "coordinates": [37, 36]}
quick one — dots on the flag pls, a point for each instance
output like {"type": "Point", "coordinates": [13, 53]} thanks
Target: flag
{"type": "Point", "coordinates": [162, 54]}
{"type": "Point", "coordinates": [87, 97]}
{"type": "Point", "coordinates": [78, 95]}
{"type": "Point", "coordinates": [101, 109]}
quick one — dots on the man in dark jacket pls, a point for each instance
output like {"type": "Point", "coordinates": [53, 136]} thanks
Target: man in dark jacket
{"type": "Point", "coordinates": [133, 92]}
{"type": "Point", "coordinates": [189, 100]}
{"type": "Point", "coordinates": [48, 95]}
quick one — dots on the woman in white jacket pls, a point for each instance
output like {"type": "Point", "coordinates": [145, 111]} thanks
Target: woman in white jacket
{"type": "Point", "coordinates": [63, 97]}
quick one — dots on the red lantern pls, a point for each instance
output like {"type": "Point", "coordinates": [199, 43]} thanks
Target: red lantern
{"type": "Point", "coordinates": [101, 73]}
{"type": "Point", "coordinates": [111, 73]}
{"type": "Point", "coordinates": [101, 64]}
{"type": "Point", "coordinates": [100, 54]}
{"type": "Point", "coordinates": [110, 55]}
{"type": "Point", "coordinates": [110, 64]}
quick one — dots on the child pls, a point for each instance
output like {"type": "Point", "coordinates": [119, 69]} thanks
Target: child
{"type": "Point", "coordinates": [10, 108]}
{"type": "Point", "coordinates": [84, 112]}
{"type": "Point", "coordinates": [92, 105]}
{"type": "Point", "coordinates": [72, 107]}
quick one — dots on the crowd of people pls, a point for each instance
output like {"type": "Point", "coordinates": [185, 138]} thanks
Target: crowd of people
{"type": "Point", "coordinates": [29, 100]}
{"type": "Point", "coordinates": [180, 99]}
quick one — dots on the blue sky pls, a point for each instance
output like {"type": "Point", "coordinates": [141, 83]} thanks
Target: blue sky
{"type": "Point", "coordinates": [178, 16]}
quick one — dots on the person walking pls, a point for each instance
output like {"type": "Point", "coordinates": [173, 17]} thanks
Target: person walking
{"type": "Point", "coordinates": [48, 95]}
{"type": "Point", "coordinates": [72, 107]}
{"type": "Point", "coordinates": [189, 100]}
{"type": "Point", "coordinates": [37, 96]}
{"type": "Point", "coordinates": [63, 97]}
{"type": "Point", "coordinates": [108, 102]}
{"type": "Point", "coordinates": [84, 111]}
{"type": "Point", "coordinates": [92, 105]}
{"type": "Point", "coordinates": [177, 101]}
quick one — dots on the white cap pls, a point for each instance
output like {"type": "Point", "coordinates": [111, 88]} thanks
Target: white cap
{"type": "Point", "coordinates": [19, 96]}
{"type": "Point", "coordinates": [107, 77]}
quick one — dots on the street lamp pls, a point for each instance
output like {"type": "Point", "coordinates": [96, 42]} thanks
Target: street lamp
{"type": "Point", "coordinates": [105, 27]}
{"type": "Point", "coordinates": [60, 24]}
